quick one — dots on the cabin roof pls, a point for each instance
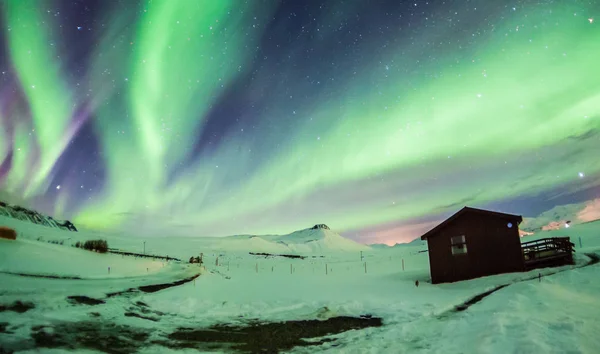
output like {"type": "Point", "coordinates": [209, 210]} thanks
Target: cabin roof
{"type": "Point", "coordinates": [517, 218]}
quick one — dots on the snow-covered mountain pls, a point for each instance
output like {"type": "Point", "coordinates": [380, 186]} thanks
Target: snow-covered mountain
{"type": "Point", "coordinates": [380, 246]}
{"type": "Point", "coordinates": [416, 242]}
{"type": "Point", "coordinates": [32, 216]}
{"type": "Point", "coordinates": [563, 215]}
{"type": "Point", "coordinates": [317, 239]}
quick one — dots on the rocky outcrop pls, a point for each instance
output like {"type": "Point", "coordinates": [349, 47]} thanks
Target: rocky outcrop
{"type": "Point", "coordinates": [24, 214]}
{"type": "Point", "coordinates": [320, 226]}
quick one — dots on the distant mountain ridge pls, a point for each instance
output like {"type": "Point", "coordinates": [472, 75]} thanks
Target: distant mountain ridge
{"type": "Point", "coordinates": [562, 215]}
{"type": "Point", "coordinates": [315, 239]}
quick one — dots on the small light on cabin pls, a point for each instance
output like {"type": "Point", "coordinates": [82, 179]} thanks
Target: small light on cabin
{"type": "Point", "coordinates": [509, 225]}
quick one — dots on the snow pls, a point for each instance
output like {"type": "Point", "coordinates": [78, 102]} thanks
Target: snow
{"type": "Point", "coordinates": [307, 241]}
{"type": "Point", "coordinates": [32, 257]}
{"type": "Point", "coordinates": [558, 216]}
{"type": "Point", "coordinates": [558, 314]}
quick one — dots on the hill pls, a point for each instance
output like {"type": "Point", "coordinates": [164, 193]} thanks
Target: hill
{"type": "Point", "coordinates": [559, 216]}
{"type": "Point", "coordinates": [317, 239]}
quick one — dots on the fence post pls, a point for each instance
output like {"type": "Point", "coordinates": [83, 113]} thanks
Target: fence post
{"type": "Point", "coordinates": [257, 267]}
{"type": "Point", "coordinates": [325, 268]}
{"type": "Point", "coordinates": [402, 264]}
{"type": "Point", "coordinates": [108, 270]}
{"type": "Point", "coordinates": [290, 268]}
{"type": "Point", "coordinates": [365, 267]}
{"type": "Point", "coordinates": [580, 246]}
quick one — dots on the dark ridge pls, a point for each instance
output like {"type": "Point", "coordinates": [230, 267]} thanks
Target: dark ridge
{"type": "Point", "coordinates": [84, 300]}
{"type": "Point", "coordinates": [159, 287]}
{"type": "Point", "coordinates": [18, 307]}
{"type": "Point", "coordinates": [153, 288]}
{"type": "Point", "coordinates": [475, 299]}
{"type": "Point", "coordinates": [124, 253]}
{"type": "Point", "coordinates": [277, 255]}
{"type": "Point", "coordinates": [47, 276]}
{"type": "Point", "coordinates": [133, 314]}
{"type": "Point", "coordinates": [594, 258]}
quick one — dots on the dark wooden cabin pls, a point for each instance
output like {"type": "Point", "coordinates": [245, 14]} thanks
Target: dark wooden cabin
{"type": "Point", "coordinates": [474, 243]}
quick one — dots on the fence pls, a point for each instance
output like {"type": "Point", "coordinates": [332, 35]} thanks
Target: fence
{"type": "Point", "coordinates": [167, 258]}
{"type": "Point", "coordinates": [547, 252]}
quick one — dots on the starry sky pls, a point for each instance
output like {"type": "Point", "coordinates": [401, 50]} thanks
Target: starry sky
{"type": "Point", "coordinates": [378, 118]}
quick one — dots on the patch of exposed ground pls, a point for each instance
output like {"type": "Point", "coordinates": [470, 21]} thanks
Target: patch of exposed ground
{"type": "Point", "coordinates": [475, 299]}
{"type": "Point", "coordinates": [95, 335]}
{"type": "Point", "coordinates": [267, 255]}
{"type": "Point", "coordinates": [141, 310]}
{"type": "Point", "coordinates": [17, 306]}
{"type": "Point", "coordinates": [153, 288]}
{"type": "Point", "coordinates": [273, 337]}
{"type": "Point", "coordinates": [594, 258]}
{"type": "Point", "coordinates": [84, 300]}
{"type": "Point", "coordinates": [134, 314]}
{"type": "Point", "coordinates": [268, 337]}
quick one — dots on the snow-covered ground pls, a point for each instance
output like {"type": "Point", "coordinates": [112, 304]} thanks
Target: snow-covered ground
{"type": "Point", "coordinates": [559, 314]}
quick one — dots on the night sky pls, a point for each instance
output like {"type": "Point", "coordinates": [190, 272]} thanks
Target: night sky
{"type": "Point", "coordinates": [217, 117]}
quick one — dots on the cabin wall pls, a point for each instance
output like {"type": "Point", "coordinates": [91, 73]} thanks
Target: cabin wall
{"type": "Point", "coordinates": [492, 248]}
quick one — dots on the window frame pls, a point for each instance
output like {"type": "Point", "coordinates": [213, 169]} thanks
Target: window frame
{"type": "Point", "coordinates": [459, 248]}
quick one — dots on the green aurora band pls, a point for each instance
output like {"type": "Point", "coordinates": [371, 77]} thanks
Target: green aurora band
{"type": "Point", "coordinates": [49, 99]}
{"type": "Point", "coordinates": [505, 117]}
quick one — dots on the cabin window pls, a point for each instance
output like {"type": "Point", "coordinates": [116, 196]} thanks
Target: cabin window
{"type": "Point", "coordinates": [459, 245]}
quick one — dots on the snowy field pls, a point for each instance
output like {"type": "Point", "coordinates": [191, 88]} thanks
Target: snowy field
{"type": "Point", "coordinates": [560, 314]}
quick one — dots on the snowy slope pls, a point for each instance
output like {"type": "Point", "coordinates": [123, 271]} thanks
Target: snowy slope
{"type": "Point", "coordinates": [33, 257]}
{"type": "Point", "coordinates": [416, 242]}
{"type": "Point", "coordinates": [379, 246]}
{"type": "Point", "coordinates": [308, 241]}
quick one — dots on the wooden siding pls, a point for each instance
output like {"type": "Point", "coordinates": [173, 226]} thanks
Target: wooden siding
{"type": "Point", "coordinates": [492, 248]}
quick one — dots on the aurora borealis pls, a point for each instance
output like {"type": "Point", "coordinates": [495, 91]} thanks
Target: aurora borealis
{"type": "Point", "coordinates": [212, 118]}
